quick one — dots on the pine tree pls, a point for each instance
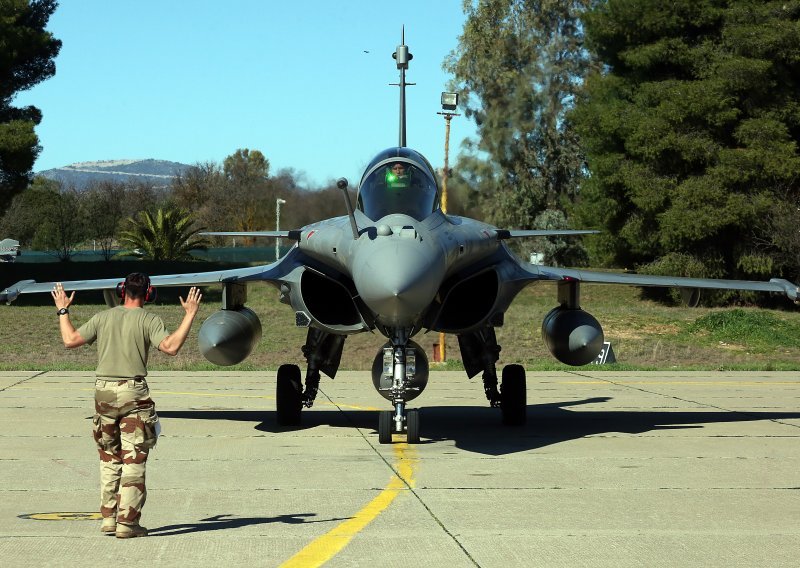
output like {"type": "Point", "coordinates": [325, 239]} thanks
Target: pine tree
{"type": "Point", "coordinates": [518, 66]}
{"type": "Point", "coordinates": [691, 131]}
{"type": "Point", "coordinates": [27, 52]}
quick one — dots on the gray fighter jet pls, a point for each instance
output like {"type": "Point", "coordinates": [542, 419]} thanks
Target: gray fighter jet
{"type": "Point", "coordinates": [398, 265]}
{"type": "Point", "coordinates": [9, 250]}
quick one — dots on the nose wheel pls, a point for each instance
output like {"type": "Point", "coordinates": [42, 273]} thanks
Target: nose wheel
{"type": "Point", "coordinates": [387, 425]}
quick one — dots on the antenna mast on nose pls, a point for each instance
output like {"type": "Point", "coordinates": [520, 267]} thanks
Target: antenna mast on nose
{"type": "Point", "coordinates": [402, 56]}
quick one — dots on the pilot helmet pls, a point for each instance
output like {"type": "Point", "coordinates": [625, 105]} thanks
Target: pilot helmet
{"type": "Point", "coordinates": [397, 175]}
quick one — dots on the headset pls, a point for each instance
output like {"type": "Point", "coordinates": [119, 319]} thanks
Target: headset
{"type": "Point", "coordinates": [149, 295]}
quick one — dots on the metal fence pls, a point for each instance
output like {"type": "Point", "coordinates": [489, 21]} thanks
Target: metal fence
{"type": "Point", "coordinates": [219, 254]}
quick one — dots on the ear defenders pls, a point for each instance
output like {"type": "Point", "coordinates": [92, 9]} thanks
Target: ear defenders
{"type": "Point", "coordinates": [149, 296]}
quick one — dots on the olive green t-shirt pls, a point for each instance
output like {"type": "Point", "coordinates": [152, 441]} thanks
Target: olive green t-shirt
{"type": "Point", "coordinates": [124, 337]}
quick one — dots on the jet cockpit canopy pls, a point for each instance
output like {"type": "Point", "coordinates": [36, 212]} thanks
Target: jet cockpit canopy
{"type": "Point", "coordinates": [398, 180]}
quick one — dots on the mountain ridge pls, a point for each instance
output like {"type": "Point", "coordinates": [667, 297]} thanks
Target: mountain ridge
{"type": "Point", "coordinates": [83, 174]}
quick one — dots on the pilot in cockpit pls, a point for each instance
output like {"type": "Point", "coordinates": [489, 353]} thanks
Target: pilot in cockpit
{"type": "Point", "coordinates": [397, 176]}
{"type": "Point", "coordinates": [398, 180]}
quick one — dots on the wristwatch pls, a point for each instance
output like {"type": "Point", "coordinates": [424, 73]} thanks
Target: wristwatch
{"type": "Point", "coordinates": [62, 312]}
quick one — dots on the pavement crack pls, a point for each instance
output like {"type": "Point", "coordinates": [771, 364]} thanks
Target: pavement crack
{"type": "Point", "coordinates": [684, 400]}
{"type": "Point", "coordinates": [39, 374]}
{"type": "Point", "coordinates": [405, 481]}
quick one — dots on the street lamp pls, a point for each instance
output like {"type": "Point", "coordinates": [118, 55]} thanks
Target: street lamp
{"type": "Point", "coordinates": [449, 104]}
{"type": "Point", "coordinates": [278, 203]}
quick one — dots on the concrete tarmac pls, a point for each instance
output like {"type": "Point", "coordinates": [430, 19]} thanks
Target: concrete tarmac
{"type": "Point", "coordinates": [613, 469]}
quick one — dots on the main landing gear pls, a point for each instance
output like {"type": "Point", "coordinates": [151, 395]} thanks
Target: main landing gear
{"type": "Point", "coordinates": [400, 373]}
{"type": "Point", "coordinates": [288, 395]}
{"type": "Point", "coordinates": [511, 399]}
{"type": "Point", "coordinates": [480, 352]}
{"type": "Point", "coordinates": [323, 352]}
{"type": "Point", "coordinates": [513, 396]}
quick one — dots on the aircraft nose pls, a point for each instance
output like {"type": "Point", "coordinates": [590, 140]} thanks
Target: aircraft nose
{"type": "Point", "coordinates": [397, 278]}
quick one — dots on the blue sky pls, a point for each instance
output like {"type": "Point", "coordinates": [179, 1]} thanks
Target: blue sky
{"type": "Point", "coordinates": [192, 81]}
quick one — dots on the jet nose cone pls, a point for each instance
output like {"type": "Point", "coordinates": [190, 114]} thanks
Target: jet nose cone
{"type": "Point", "coordinates": [398, 279]}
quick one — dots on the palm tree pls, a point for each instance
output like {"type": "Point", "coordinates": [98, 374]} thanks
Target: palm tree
{"type": "Point", "coordinates": [167, 235]}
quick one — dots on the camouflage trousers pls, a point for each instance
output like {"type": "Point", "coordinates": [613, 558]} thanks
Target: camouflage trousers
{"type": "Point", "coordinates": [125, 431]}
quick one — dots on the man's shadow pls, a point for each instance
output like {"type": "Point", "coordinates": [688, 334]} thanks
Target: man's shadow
{"type": "Point", "coordinates": [224, 522]}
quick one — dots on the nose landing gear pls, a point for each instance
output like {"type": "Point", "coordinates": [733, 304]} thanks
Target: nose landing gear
{"type": "Point", "coordinates": [387, 426]}
{"type": "Point", "coordinates": [400, 375]}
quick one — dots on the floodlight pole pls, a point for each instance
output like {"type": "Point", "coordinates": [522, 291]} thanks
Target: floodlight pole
{"type": "Point", "coordinates": [447, 118]}
{"type": "Point", "coordinates": [278, 203]}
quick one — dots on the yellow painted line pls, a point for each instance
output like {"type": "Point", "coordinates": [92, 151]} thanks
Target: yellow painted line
{"type": "Point", "coordinates": [319, 551]}
{"type": "Point", "coordinates": [62, 516]}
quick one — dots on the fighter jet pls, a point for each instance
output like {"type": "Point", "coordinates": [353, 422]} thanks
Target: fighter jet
{"type": "Point", "coordinates": [9, 250]}
{"type": "Point", "coordinates": [397, 265]}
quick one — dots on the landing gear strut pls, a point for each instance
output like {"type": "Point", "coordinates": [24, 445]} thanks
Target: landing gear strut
{"type": "Point", "coordinates": [480, 352]}
{"type": "Point", "coordinates": [323, 352]}
{"type": "Point", "coordinates": [399, 368]}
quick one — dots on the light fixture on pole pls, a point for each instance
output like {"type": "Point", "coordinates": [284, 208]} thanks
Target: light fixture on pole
{"type": "Point", "coordinates": [278, 203]}
{"type": "Point", "coordinates": [449, 104]}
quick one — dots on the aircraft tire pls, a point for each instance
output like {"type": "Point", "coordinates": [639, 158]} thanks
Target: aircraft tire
{"type": "Point", "coordinates": [412, 426]}
{"type": "Point", "coordinates": [513, 402]}
{"type": "Point", "coordinates": [288, 395]}
{"type": "Point", "coordinates": [385, 426]}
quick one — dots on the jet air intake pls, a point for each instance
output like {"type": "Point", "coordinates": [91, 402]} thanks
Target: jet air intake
{"type": "Point", "coordinates": [229, 336]}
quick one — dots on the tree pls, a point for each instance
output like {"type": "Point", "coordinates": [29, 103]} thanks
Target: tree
{"type": "Point", "coordinates": [47, 217]}
{"type": "Point", "coordinates": [243, 166]}
{"type": "Point", "coordinates": [780, 238]}
{"type": "Point", "coordinates": [169, 234]}
{"type": "Point", "coordinates": [249, 200]}
{"type": "Point", "coordinates": [102, 207]}
{"type": "Point", "coordinates": [518, 66]}
{"type": "Point", "coordinates": [23, 217]}
{"type": "Point", "coordinates": [61, 231]}
{"type": "Point", "coordinates": [691, 131]}
{"type": "Point", "coordinates": [27, 52]}
{"type": "Point", "coordinates": [239, 195]}
{"type": "Point", "coordinates": [202, 189]}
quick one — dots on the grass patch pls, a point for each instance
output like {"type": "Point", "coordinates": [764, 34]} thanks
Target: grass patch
{"type": "Point", "coordinates": [757, 330]}
{"type": "Point", "coordinates": [645, 335]}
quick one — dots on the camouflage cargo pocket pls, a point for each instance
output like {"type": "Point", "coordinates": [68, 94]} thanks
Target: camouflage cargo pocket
{"type": "Point", "coordinates": [146, 434]}
{"type": "Point", "coordinates": [104, 437]}
{"type": "Point", "coordinates": [97, 430]}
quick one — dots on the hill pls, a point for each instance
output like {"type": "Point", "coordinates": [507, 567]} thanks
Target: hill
{"type": "Point", "coordinates": [83, 174]}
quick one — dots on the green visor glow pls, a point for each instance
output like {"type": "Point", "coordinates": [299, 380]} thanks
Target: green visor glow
{"type": "Point", "coordinates": [394, 181]}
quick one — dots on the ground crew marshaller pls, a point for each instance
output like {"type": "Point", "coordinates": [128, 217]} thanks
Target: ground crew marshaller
{"type": "Point", "coordinates": [125, 416]}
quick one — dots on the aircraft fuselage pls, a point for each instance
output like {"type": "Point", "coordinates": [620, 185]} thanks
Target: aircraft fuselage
{"type": "Point", "coordinates": [398, 264]}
